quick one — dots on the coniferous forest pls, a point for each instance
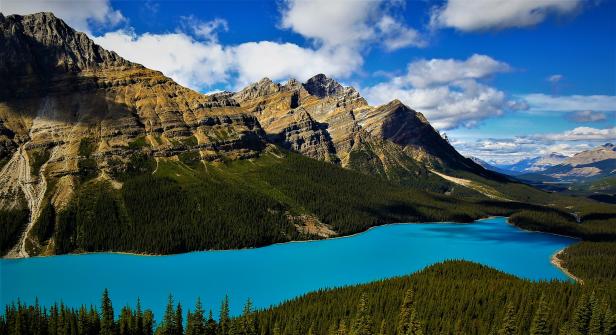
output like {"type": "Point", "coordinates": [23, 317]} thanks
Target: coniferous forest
{"type": "Point", "coordinates": [453, 297]}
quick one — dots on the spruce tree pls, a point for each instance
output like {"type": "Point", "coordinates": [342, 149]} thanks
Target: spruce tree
{"type": "Point", "coordinates": [276, 330]}
{"type": "Point", "coordinates": [211, 326]}
{"type": "Point", "coordinates": [247, 321]}
{"type": "Point", "coordinates": [508, 325]}
{"type": "Point", "coordinates": [408, 320]}
{"type": "Point", "coordinates": [196, 321]}
{"type": "Point", "coordinates": [107, 319]}
{"type": "Point", "coordinates": [168, 325]}
{"type": "Point", "coordinates": [582, 315]}
{"type": "Point", "coordinates": [540, 325]}
{"type": "Point", "coordinates": [138, 325]}
{"type": "Point", "coordinates": [362, 324]}
{"type": "Point", "coordinates": [595, 325]}
{"type": "Point", "coordinates": [179, 323]}
{"type": "Point", "coordinates": [223, 320]}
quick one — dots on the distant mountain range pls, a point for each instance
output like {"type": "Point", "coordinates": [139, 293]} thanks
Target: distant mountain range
{"type": "Point", "coordinates": [593, 164]}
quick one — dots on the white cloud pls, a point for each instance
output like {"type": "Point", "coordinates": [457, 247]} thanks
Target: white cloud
{"type": "Point", "coordinates": [589, 116]}
{"type": "Point", "coordinates": [447, 91]}
{"type": "Point", "coordinates": [511, 150]}
{"type": "Point", "coordinates": [78, 14]}
{"type": "Point", "coordinates": [207, 30]}
{"type": "Point", "coordinates": [424, 73]}
{"type": "Point", "coordinates": [396, 35]}
{"type": "Point", "coordinates": [540, 102]}
{"type": "Point", "coordinates": [191, 63]}
{"type": "Point", "coordinates": [278, 61]}
{"type": "Point", "coordinates": [348, 23]}
{"type": "Point", "coordinates": [477, 15]}
{"type": "Point", "coordinates": [583, 134]}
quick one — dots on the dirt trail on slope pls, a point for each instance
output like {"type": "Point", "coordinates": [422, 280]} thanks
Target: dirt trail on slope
{"type": "Point", "coordinates": [483, 189]}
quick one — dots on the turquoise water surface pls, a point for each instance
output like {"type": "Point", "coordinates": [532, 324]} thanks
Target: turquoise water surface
{"type": "Point", "coordinates": [279, 272]}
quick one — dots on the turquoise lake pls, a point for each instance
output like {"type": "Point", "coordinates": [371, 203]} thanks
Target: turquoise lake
{"type": "Point", "coordinates": [272, 274]}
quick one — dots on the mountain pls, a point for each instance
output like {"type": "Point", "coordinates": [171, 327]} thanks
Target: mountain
{"type": "Point", "coordinates": [533, 164]}
{"type": "Point", "coordinates": [98, 153]}
{"type": "Point", "coordinates": [490, 167]}
{"type": "Point", "coordinates": [599, 162]}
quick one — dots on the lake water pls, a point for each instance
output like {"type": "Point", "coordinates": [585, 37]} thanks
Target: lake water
{"type": "Point", "coordinates": [279, 272]}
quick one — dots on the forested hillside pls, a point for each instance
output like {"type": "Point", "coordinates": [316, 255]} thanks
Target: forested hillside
{"type": "Point", "coordinates": [449, 298]}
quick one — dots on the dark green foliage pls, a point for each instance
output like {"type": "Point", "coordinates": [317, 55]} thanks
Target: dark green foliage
{"type": "Point", "coordinates": [508, 325]}
{"type": "Point", "coordinates": [540, 324]}
{"type": "Point", "coordinates": [169, 207]}
{"type": "Point", "coordinates": [12, 223]}
{"type": "Point", "coordinates": [592, 261]}
{"type": "Point", "coordinates": [107, 317]}
{"type": "Point", "coordinates": [138, 143]}
{"type": "Point", "coordinates": [450, 298]}
{"type": "Point", "coordinates": [45, 223]}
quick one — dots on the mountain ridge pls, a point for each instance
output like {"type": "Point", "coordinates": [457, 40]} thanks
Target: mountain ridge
{"type": "Point", "coordinates": [91, 130]}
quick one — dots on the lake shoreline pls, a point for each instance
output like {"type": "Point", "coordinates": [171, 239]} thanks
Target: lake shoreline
{"type": "Point", "coordinates": [554, 260]}
{"type": "Point", "coordinates": [559, 263]}
{"type": "Point", "coordinates": [143, 254]}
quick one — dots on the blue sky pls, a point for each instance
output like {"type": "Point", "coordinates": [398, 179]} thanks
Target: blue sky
{"type": "Point", "coordinates": [504, 80]}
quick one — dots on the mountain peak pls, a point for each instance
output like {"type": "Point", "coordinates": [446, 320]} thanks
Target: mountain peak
{"type": "Point", "coordinates": [321, 86]}
{"type": "Point", "coordinates": [43, 44]}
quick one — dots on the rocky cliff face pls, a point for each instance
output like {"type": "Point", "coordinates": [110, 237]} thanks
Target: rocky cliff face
{"type": "Point", "coordinates": [69, 108]}
{"type": "Point", "coordinates": [324, 120]}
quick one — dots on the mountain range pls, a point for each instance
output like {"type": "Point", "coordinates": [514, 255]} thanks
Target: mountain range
{"type": "Point", "coordinates": [587, 165]}
{"type": "Point", "coordinates": [99, 153]}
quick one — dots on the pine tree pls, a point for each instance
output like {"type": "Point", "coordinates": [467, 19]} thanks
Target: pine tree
{"type": "Point", "coordinates": [138, 325]}
{"type": "Point", "coordinates": [408, 321]}
{"type": "Point", "coordinates": [362, 324]}
{"type": "Point", "coordinates": [196, 321]}
{"type": "Point", "coordinates": [247, 321]}
{"type": "Point", "coordinates": [107, 319]}
{"type": "Point", "coordinates": [582, 315]}
{"type": "Point", "coordinates": [223, 320]}
{"type": "Point", "coordinates": [168, 325]}
{"type": "Point", "coordinates": [508, 325]}
{"type": "Point", "coordinates": [179, 323]}
{"type": "Point", "coordinates": [540, 325]}
{"type": "Point", "coordinates": [342, 328]}
{"type": "Point", "coordinates": [595, 325]}
{"type": "Point", "coordinates": [609, 326]}
{"type": "Point", "coordinates": [148, 322]}
{"type": "Point", "coordinates": [211, 326]}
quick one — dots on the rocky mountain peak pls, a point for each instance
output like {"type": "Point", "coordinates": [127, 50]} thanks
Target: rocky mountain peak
{"type": "Point", "coordinates": [43, 43]}
{"type": "Point", "coordinates": [321, 86]}
{"type": "Point", "coordinates": [261, 88]}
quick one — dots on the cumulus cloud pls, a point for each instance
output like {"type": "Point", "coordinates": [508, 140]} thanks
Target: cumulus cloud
{"type": "Point", "coordinates": [78, 14]}
{"type": "Point", "coordinates": [448, 91]}
{"type": "Point", "coordinates": [478, 15]}
{"type": "Point", "coordinates": [424, 73]}
{"type": "Point", "coordinates": [189, 62]}
{"type": "Point", "coordinates": [255, 60]}
{"type": "Point", "coordinates": [347, 23]}
{"type": "Point", "coordinates": [583, 134]}
{"type": "Point", "coordinates": [539, 102]}
{"type": "Point", "coordinates": [588, 116]}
